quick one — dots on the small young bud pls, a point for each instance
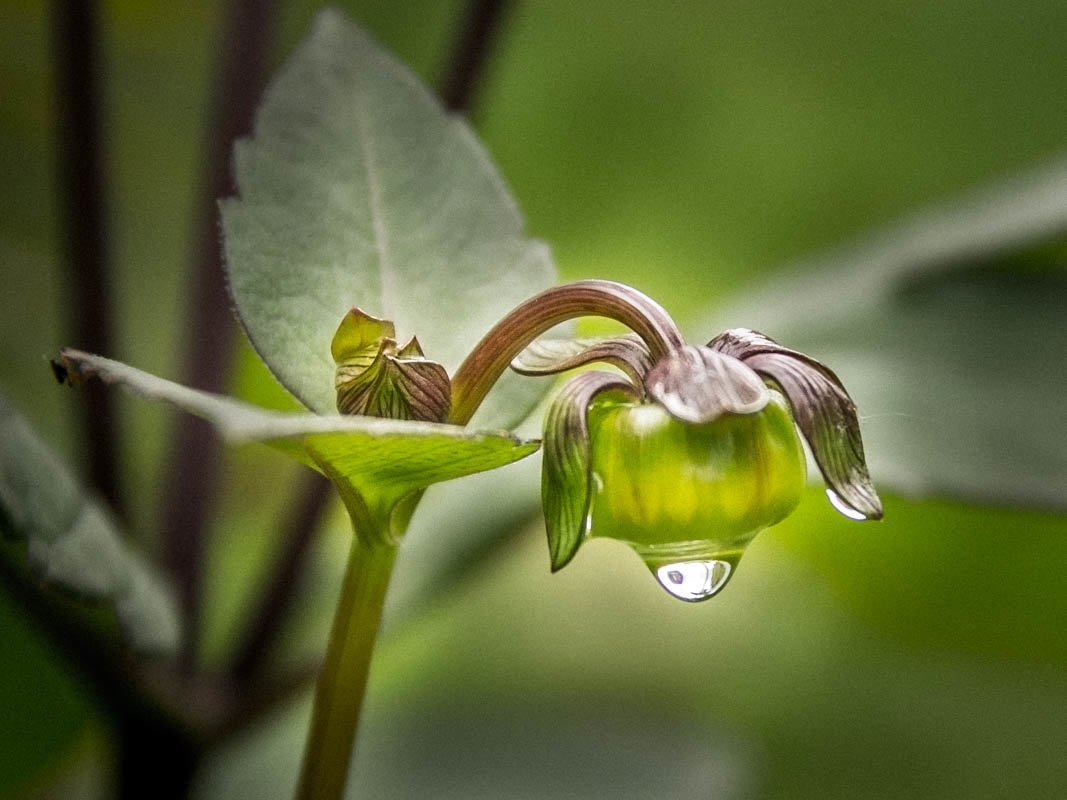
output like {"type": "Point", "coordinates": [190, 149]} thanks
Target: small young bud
{"type": "Point", "coordinates": [377, 378]}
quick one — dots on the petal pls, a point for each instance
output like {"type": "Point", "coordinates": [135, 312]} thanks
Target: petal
{"type": "Point", "coordinates": [550, 356]}
{"type": "Point", "coordinates": [823, 411]}
{"type": "Point", "coordinates": [698, 385]}
{"type": "Point", "coordinates": [566, 490]}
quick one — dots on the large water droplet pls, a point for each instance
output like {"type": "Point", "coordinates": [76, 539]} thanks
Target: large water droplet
{"type": "Point", "coordinates": [694, 580]}
{"type": "Point", "coordinates": [843, 507]}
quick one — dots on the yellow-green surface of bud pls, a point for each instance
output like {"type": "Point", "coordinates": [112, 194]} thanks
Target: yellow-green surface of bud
{"type": "Point", "coordinates": [678, 492]}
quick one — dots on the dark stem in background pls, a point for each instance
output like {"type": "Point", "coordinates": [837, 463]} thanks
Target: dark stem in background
{"type": "Point", "coordinates": [81, 187]}
{"type": "Point", "coordinates": [470, 52]}
{"type": "Point", "coordinates": [465, 67]}
{"type": "Point", "coordinates": [276, 597]}
{"type": "Point", "coordinates": [211, 331]}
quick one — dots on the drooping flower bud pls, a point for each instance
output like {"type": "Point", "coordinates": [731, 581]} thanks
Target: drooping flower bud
{"type": "Point", "coordinates": [690, 451]}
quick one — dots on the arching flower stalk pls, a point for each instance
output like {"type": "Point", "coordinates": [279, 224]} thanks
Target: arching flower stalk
{"type": "Point", "coordinates": [685, 452]}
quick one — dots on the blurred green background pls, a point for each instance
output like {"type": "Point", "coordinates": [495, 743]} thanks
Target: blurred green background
{"type": "Point", "coordinates": [693, 150]}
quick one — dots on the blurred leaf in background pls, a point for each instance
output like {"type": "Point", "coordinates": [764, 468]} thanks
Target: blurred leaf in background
{"type": "Point", "coordinates": [696, 151]}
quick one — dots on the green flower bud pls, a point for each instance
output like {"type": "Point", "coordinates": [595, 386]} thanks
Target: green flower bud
{"type": "Point", "coordinates": [684, 452]}
{"type": "Point", "coordinates": [689, 498]}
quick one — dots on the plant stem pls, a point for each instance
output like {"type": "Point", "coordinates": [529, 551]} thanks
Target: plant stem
{"type": "Point", "coordinates": [194, 469]}
{"type": "Point", "coordinates": [339, 695]}
{"type": "Point", "coordinates": [467, 63]}
{"type": "Point", "coordinates": [84, 192]}
{"type": "Point", "coordinates": [589, 298]}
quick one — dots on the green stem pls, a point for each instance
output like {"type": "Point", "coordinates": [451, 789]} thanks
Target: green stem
{"type": "Point", "coordinates": [339, 695]}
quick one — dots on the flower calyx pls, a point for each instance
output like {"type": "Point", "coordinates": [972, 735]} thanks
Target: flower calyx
{"type": "Point", "coordinates": [378, 378]}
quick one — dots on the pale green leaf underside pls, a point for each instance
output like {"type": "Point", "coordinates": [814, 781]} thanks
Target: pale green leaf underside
{"type": "Point", "coordinates": [358, 189]}
{"type": "Point", "coordinates": [371, 455]}
{"type": "Point", "coordinates": [949, 332]}
{"type": "Point", "coordinates": [72, 541]}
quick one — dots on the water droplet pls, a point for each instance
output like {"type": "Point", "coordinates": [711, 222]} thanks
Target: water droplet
{"type": "Point", "coordinates": [843, 507]}
{"type": "Point", "coordinates": [694, 580]}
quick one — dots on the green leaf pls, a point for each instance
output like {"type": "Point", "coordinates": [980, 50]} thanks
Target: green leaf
{"type": "Point", "coordinates": [72, 541]}
{"type": "Point", "coordinates": [381, 459]}
{"type": "Point", "coordinates": [946, 329]}
{"type": "Point", "coordinates": [358, 189]}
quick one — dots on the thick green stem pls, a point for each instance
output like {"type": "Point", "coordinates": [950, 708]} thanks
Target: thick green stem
{"type": "Point", "coordinates": [339, 695]}
{"type": "Point", "coordinates": [589, 298]}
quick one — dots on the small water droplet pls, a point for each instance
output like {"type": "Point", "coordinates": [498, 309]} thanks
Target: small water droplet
{"type": "Point", "coordinates": [694, 580]}
{"type": "Point", "coordinates": [843, 507]}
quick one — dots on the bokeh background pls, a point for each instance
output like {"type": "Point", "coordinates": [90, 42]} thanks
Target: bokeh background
{"type": "Point", "coordinates": [705, 153]}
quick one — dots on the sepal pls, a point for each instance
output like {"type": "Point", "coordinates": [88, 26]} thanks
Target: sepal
{"type": "Point", "coordinates": [551, 356]}
{"type": "Point", "coordinates": [823, 411]}
{"type": "Point", "coordinates": [698, 385]}
{"type": "Point", "coordinates": [566, 477]}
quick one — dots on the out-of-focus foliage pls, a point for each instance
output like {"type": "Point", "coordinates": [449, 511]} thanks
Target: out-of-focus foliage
{"type": "Point", "coordinates": [73, 543]}
{"type": "Point", "coordinates": [692, 150]}
{"type": "Point", "coordinates": [949, 329]}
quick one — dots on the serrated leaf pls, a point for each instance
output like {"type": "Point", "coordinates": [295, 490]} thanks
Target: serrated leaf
{"type": "Point", "coordinates": [72, 542]}
{"type": "Point", "coordinates": [358, 189]}
{"type": "Point", "coordinates": [946, 329]}
{"type": "Point", "coordinates": [381, 459]}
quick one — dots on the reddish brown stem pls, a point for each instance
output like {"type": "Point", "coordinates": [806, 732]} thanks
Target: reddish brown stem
{"type": "Point", "coordinates": [589, 298]}
{"type": "Point", "coordinates": [83, 189]}
{"type": "Point", "coordinates": [467, 64]}
{"type": "Point", "coordinates": [211, 333]}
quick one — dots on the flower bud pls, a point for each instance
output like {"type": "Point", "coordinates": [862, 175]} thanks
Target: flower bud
{"type": "Point", "coordinates": [376, 377]}
{"type": "Point", "coordinates": [689, 498]}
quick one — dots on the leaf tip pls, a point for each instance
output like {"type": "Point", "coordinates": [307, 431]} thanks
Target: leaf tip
{"type": "Point", "coordinates": [59, 370]}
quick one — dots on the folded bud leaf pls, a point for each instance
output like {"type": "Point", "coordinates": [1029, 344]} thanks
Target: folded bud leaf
{"type": "Point", "coordinates": [358, 335]}
{"type": "Point", "coordinates": [375, 378]}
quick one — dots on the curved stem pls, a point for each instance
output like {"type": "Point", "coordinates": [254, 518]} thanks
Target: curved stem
{"type": "Point", "coordinates": [339, 694]}
{"type": "Point", "coordinates": [589, 298]}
